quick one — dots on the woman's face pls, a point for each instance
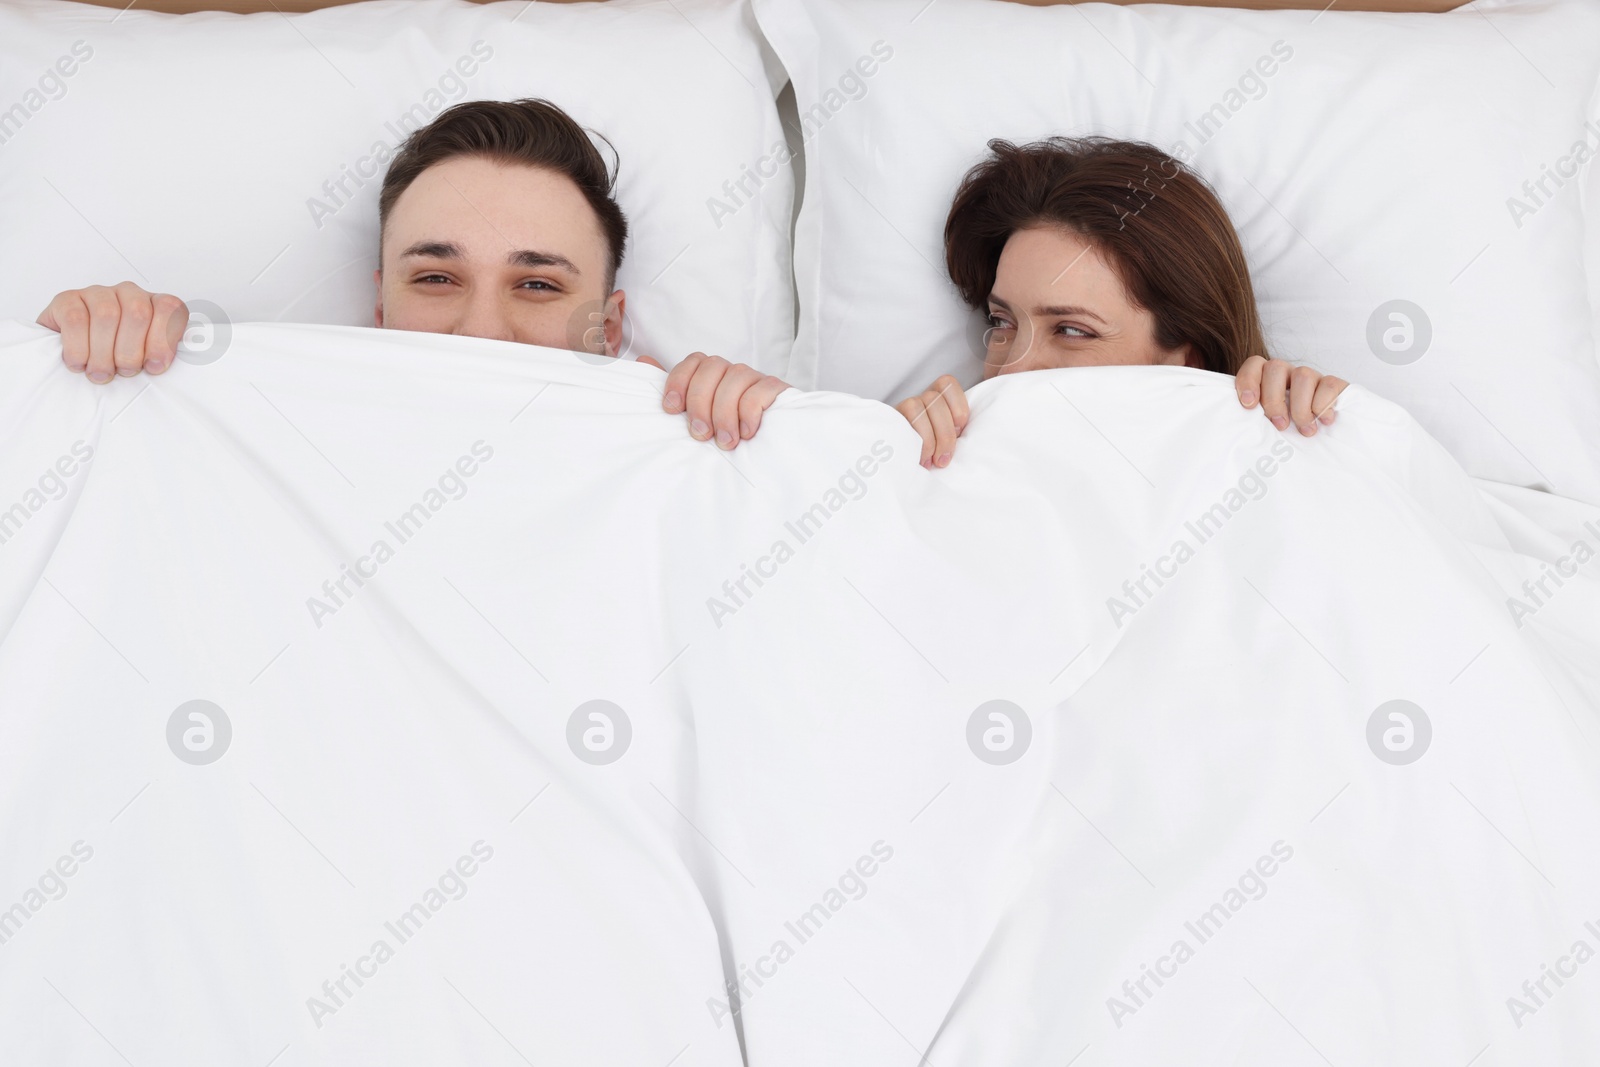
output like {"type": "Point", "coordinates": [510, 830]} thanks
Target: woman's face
{"type": "Point", "coordinates": [1056, 302]}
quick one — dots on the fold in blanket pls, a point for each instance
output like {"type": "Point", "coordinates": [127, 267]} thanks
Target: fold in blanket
{"type": "Point", "coordinates": [398, 698]}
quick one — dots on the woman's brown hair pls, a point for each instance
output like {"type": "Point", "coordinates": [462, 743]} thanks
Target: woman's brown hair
{"type": "Point", "coordinates": [1155, 221]}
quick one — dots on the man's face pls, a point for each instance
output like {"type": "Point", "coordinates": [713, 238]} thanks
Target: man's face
{"type": "Point", "coordinates": [504, 251]}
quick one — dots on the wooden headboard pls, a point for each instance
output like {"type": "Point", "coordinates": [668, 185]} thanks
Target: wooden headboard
{"type": "Point", "coordinates": [186, 6]}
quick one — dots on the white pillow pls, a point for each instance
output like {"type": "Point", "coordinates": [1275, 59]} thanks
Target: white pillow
{"type": "Point", "coordinates": [1591, 214]}
{"type": "Point", "coordinates": [1373, 164]}
{"type": "Point", "coordinates": [189, 153]}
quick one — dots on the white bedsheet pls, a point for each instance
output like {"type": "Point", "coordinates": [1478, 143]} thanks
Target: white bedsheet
{"type": "Point", "coordinates": [799, 803]}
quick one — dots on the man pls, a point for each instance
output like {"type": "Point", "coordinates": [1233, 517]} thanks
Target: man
{"type": "Point", "coordinates": [496, 220]}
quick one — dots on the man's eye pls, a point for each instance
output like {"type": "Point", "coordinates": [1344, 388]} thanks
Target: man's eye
{"type": "Point", "coordinates": [430, 278]}
{"type": "Point", "coordinates": [538, 285]}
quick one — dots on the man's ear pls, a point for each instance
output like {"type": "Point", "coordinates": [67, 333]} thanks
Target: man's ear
{"type": "Point", "coordinates": [377, 310]}
{"type": "Point", "coordinates": [616, 309]}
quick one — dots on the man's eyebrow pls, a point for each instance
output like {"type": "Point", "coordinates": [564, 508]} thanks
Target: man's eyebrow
{"type": "Point", "coordinates": [522, 257]}
{"type": "Point", "coordinates": [433, 250]}
{"type": "Point", "coordinates": [526, 257]}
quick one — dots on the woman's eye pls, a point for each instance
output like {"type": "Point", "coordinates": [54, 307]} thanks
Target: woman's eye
{"type": "Point", "coordinates": [998, 323]}
{"type": "Point", "coordinates": [1066, 330]}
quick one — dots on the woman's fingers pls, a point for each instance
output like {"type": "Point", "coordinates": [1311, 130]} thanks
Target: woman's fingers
{"type": "Point", "coordinates": [916, 413]}
{"type": "Point", "coordinates": [1248, 381]}
{"type": "Point", "coordinates": [1302, 390]}
{"type": "Point", "coordinates": [1302, 395]}
{"type": "Point", "coordinates": [1326, 397]}
{"type": "Point", "coordinates": [956, 398]}
{"type": "Point", "coordinates": [1275, 392]}
{"type": "Point", "coordinates": [944, 429]}
{"type": "Point", "coordinates": [947, 411]}
{"type": "Point", "coordinates": [938, 415]}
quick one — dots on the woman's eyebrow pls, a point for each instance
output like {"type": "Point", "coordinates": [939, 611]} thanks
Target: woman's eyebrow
{"type": "Point", "coordinates": [1056, 309]}
{"type": "Point", "coordinates": [1052, 309]}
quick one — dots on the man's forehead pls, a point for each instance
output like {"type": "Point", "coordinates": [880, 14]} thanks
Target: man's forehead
{"type": "Point", "coordinates": [478, 210]}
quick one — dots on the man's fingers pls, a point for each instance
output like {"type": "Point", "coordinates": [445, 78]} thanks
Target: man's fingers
{"type": "Point", "coordinates": [68, 315]}
{"type": "Point", "coordinates": [699, 393]}
{"type": "Point", "coordinates": [756, 400]}
{"type": "Point", "coordinates": [719, 399]}
{"type": "Point", "coordinates": [105, 311]}
{"type": "Point", "coordinates": [725, 404]}
{"type": "Point", "coordinates": [1303, 385]}
{"type": "Point", "coordinates": [111, 330]}
{"type": "Point", "coordinates": [136, 313]}
{"type": "Point", "coordinates": [678, 378]}
{"type": "Point", "coordinates": [1248, 381]}
{"type": "Point", "coordinates": [916, 413]}
{"type": "Point", "coordinates": [1275, 392]}
{"type": "Point", "coordinates": [168, 321]}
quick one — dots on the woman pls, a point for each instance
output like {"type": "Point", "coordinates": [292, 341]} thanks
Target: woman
{"type": "Point", "coordinates": [1092, 252]}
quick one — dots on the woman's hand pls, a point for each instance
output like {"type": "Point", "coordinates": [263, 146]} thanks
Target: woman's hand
{"type": "Point", "coordinates": [1289, 392]}
{"type": "Point", "coordinates": [719, 397]}
{"type": "Point", "coordinates": [118, 329]}
{"type": "Point", "coordinates": [938, 415]}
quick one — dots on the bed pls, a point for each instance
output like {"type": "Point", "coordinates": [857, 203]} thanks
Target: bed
{"type": "Point", "coordinates": [379, 696]}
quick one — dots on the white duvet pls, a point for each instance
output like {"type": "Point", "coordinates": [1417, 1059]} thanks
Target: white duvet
{"type": "Point", "coordinates": [531, 730]}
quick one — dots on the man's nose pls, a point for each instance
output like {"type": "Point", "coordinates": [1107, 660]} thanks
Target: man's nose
{"type": "Point", "coordinates": [486, 316]}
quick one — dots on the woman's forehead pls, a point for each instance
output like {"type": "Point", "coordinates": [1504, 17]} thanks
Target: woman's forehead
{"type": "Point", "coordinates": [1044, 266]}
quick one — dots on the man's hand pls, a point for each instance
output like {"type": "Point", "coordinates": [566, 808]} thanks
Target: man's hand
{"type": "Point", "coordinates": [119, 329]}
{"type": "Point", "coordinates": [1288, 392]}
{"type": "Point", "coordinates": [720, 398]}
{"type": "Point", "coordinates": [938, 415]}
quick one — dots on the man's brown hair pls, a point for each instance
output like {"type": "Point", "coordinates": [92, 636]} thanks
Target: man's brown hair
{"type": "Point", "coordinates": [535, 133]}
{"type": "Point", "coordinates": [1156, 222]}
